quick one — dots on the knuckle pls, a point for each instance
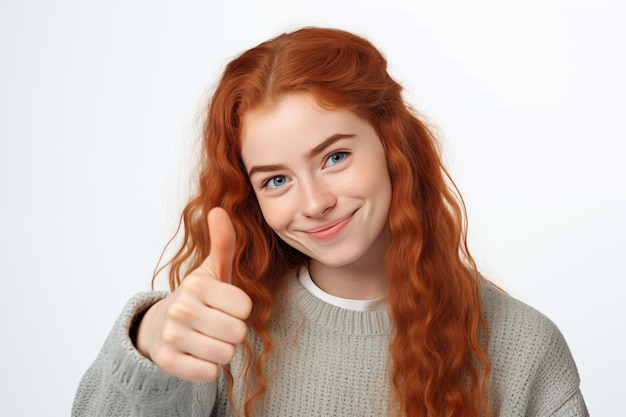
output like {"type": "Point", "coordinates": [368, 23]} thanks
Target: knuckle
{"type": "Point", "coordinates": [178, 310]}
{"type": "Point", "coordinates": [193, 283]}
{"type": "Point", "coordinates": [164, 360]}
{"type": "Point", "coordinates": [170, 336]}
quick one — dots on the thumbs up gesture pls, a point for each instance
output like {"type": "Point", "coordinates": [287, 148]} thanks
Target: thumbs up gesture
{"type": "Point", "coordinates": [196, 328]}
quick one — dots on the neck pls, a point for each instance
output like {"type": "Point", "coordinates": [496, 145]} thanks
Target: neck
{"type": "Point", "coordinates": [353, 284]}
{"type": "Point", "coordinates": [363, 279]}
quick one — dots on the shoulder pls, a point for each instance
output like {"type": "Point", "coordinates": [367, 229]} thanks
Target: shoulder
{"type": "Point", "coordinates": [531, 364]}
{"type": "Point", "coordinates": [516, 329]}
{"type": "Point", "coordinates": [505, 314]}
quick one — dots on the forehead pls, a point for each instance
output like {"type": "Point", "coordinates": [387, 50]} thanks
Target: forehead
{"type": "Point", "coordinates": [294, 120]}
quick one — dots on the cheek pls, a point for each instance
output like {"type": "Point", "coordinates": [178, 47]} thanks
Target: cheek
{"type": "Point", "coordinates": [274, 213]}
{"type": "Point", "coordinates": [375, 178]}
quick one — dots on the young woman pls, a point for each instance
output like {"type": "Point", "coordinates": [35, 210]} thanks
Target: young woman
{"type": "Point", "coordinates": [324, 267]}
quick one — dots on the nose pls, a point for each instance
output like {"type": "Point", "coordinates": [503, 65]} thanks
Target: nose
{"type": "Point", "coordinates": [317, 198]}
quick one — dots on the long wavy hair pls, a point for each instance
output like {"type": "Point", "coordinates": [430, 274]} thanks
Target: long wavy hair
{"type": "Point", "coordinates": [438, 353]}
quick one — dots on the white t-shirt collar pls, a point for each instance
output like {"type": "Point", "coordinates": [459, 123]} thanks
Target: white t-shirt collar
{"type": "Point", "coordinates": [356, 305]}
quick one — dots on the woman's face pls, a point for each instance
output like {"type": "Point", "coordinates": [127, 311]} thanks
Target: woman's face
{"type": "Point", "coordinates": [320, 177]}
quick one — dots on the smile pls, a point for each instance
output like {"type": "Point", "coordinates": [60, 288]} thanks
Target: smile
{"type": "Point", "coordinates": [330, 230]}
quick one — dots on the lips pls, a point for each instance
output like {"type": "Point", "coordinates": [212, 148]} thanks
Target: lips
{"type": "Point", "coordinates": [330, 230]}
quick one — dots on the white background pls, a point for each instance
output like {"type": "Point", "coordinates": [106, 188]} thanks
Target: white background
{"type": "Point", "coordinates": [98, 120]}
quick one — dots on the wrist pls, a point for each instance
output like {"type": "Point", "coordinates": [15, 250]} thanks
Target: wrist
{"type": "Point", "coordinates": [138, 330]}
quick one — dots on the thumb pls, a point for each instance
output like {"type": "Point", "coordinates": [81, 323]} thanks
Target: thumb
{"type": "Point", "coordinates": [222, 235]}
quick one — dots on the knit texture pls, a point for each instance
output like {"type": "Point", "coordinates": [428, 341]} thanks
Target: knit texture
{"type": "Point", "coordinates": [329, 361]}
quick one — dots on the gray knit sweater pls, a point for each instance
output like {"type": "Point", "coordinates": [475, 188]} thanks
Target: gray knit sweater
{"type": "Point", "coordinates": [329, 361]}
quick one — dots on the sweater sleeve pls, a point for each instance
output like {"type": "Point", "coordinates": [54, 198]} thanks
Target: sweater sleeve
{"type": "Point", "coordinates": [122, 382]}
{"type": "Point", "coordinates": [556, 385]}
{"type": "Point", "coordinates": [533, 373]}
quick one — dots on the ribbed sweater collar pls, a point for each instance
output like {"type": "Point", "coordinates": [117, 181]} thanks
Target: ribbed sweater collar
{"type": "Point", "coordinates": [317, 312]}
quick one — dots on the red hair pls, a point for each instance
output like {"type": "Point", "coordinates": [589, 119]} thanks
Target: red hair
{"type": "Point", "coordinates": [439, 367]}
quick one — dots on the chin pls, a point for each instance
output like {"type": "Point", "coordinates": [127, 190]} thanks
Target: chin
{"type": "Point", "coordinates": [337, 260]}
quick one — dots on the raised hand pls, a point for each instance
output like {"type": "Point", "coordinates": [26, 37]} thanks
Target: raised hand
{"type": "Point", "coordinates": [196, 328]}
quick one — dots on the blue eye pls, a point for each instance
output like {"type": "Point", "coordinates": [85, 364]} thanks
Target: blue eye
{"type": "Point", "coordinates": [275, 182]}
{"type": "Point", "coordinates": [336, 157]}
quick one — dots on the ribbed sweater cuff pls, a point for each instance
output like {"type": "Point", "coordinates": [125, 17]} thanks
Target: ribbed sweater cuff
{"type": "Point", "coordinates": [134, 374]}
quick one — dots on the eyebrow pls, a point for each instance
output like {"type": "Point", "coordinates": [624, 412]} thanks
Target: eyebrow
{"type": "Point", "coordinates": [311, 153]}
